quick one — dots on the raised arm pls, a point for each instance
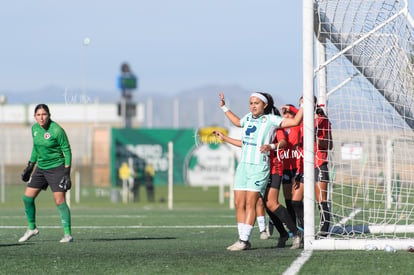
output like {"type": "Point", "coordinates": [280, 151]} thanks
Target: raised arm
{"type": "Point", "coordinates": [232, 141]}
{"type": "Point", "coordinates": [291, 122]}
{"type": "Point", "coordinates": [229, 114]}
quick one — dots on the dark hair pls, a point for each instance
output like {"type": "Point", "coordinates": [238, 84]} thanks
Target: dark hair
{"type": "Point", "coordinates": [125, 68]}
{"type": "Point", "coordinates": [42, 106]}
{"type": "Point", "coordinates": [318, 108]}
{"type": "Point", "coordinates": [319, 111]}
{"type": "Point", "coordinates": [270, 108]}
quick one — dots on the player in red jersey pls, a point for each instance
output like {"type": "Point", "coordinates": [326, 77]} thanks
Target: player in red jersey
{"type": "Point", "coordinates": [323, 143]}
{"type": "Point", "coordinates": [298, 188]}
{"type": "Point", "coordinates": [289, 157]}
{"type": "Point", "coordinates": [278, 214]}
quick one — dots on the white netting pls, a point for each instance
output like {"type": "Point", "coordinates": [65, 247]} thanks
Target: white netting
{"type": "Point", "coordinates": [369, 53]}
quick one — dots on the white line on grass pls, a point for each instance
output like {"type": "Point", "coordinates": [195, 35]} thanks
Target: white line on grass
{"type": "Point", "coordinates": [106, 216]}
{"type": "Point", "coordinates": [81, 216]}
{"type": "Point", "coordinates": [295, 267]}
{"type": "Point", "coordinates": [125, 226]}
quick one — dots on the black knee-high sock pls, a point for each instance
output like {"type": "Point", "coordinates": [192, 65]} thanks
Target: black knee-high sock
{"type": "Point", "coordinates": [277, 223]}
{"type": "Point", "coordinates": [290, 209]}
{"type": "Point", "coordinates": [298, 206]}
{"type": "Point", "coordinates": [325, 217]}
{"type": "Point", "coordinates": [283, 215]}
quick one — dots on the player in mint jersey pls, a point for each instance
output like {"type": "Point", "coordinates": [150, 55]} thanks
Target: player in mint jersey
{"type": "Point", "coordinates": [253, 171]}
{"type": "Point", "coordinates": [52, 156]}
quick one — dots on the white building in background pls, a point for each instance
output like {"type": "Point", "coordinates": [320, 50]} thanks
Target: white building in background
{"type": "Point", "coordinates": [92, 113]}
{"type": "Point", "coordinates": [88, 127]}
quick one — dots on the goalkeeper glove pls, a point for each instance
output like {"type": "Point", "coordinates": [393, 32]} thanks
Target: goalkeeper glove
{"type": "Point", "coordinates": [65, 182]}
{"type": "Point", "coordinates": [27, 172]}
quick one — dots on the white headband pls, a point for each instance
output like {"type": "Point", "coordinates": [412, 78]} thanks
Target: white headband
{"type": "Point", "coordinates": [260, 96]}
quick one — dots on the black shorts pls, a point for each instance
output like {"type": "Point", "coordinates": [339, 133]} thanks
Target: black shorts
{"type": "Point", "coordinates": [41, 179]}
{"type": "Point", "coordinates": [322, 173]}
{"type": "Point", "coordinates": [288, 176]}
{"type": "Point", "coordinates": [274, 181]}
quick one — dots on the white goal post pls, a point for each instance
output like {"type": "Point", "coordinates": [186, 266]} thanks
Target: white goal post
{"type": "Point", "coordinates": [358, 59]}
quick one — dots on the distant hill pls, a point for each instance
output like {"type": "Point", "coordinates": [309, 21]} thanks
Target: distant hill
{"type": "Point", "coordinates": [55, 94]}
{"type": "Point", "coordinates": [190, 108]}
{"type": "Point", "coordinates": [197, 107]}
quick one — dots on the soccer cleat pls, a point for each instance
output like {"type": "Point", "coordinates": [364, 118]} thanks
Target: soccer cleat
{"type": "Point", "coordinates": [231, 246]}
{"type": "Point", "coordinates": [296, 241]}
{"type": "Point", "coordinates": [66, 239]}
{"type": "Point", "coordinates": [264, 235]}
{"type": "Point", "coordinates": [322, 235]}
{"type": "Point", "coordinates": [28, 234]}
{"type": "Point", "coordinates": [281, 243]}
{"type": "Point", "coordinates": [239, 245]}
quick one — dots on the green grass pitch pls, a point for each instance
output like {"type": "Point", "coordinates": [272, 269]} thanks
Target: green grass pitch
{"type": "Point", "coordinates": [149, 238]}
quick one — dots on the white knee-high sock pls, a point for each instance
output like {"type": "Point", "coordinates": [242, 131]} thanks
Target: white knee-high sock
{"type": "Point", "coordinates": [261, 222]}
{"type": "Point", "coordinates": [240, 229]}
{"type": "Point", "coordinates": [246, 232]}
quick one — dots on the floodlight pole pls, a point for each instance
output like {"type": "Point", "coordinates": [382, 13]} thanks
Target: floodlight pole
{"type": "Point", "coordinates": [85, 44]}
{"type": "Point", "coordinates": [127, 82]}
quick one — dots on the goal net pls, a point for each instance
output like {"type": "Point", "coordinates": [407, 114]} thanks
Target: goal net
{"type": "Point", "coordinates": [364, 76]}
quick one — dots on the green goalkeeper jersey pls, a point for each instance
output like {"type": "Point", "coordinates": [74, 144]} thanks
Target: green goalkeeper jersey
{"type": "Point", "coordinates": [51, 146]}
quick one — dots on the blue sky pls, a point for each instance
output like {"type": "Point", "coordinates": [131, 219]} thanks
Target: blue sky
{"type": "Point", "coordinates": [171, 45]}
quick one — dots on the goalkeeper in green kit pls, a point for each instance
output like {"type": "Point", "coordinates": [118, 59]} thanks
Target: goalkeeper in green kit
{"type": "Point", "coordinates": [52, 156]}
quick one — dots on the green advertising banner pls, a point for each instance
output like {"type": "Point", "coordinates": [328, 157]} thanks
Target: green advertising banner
{"type": "Point", "coordinates": [198, 158]}
{"type": "Point", "coordinates": [142, 147]}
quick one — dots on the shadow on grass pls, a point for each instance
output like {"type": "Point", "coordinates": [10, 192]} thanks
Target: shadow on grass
{"type": "Point", "coordinates": [130, 239]}
{"type": "Point", "coordinates": [14, 244]}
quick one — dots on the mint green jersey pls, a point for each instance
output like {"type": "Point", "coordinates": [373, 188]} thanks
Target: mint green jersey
{"type": "Point", "coordinates": [51, 146]}
{"type": "Point", "coordinates": [257, 132]}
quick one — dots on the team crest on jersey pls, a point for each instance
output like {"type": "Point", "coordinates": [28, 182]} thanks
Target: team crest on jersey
{"type": "Point", "coordinates": [264, 119]}
{"type": "Point", "coordinates": [47, 135]}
